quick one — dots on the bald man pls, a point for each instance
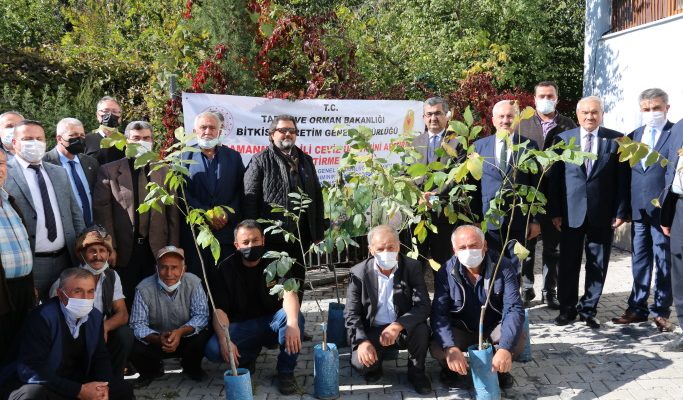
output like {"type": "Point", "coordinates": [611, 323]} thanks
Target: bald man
{"type": "Point", "coordinates": [587, 202]}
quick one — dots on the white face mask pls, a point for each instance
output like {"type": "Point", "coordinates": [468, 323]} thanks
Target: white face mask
{"type": "Point", "coordinates": [78, 308]}
{"type": "Point", "coordinates": [32, 150]}
{"type": "Point", "coordinates": [168, 288]}
{"type": "Point", "coordinates": [387, 259]}
{"type": "Point", "coordinates": [471, 258]}
{"type": "Point", "coordinates": [545, 106]}
{"type": "Point", "coordinates": [144, 146]}
{"type": "Point", "coordinates": [208, 143]}
{"type": "Point", "coordinates": [653, 118]}
{"type": "Point", "coordinates": [7, 136]}
{"type": "Point", "coordinates": [94, 271]}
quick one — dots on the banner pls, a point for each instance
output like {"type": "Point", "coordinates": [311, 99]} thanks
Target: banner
{"type": "Point", "coordinates": [323, 124]}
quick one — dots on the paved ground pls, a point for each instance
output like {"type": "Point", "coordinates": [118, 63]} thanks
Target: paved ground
{"type": "Point", "coordinates": [572, 362]}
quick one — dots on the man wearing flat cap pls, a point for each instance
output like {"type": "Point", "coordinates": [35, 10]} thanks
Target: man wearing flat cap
{"type": "Point", "coordinates": [169, 318]}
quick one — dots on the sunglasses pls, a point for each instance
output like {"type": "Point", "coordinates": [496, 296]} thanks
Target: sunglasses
{"type": "Point", "coordinates": [286, 130]}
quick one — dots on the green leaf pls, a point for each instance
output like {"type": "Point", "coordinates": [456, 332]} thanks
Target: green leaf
{"type": "Point", "coordinates": [417, 170]}
{"type": "Point", "coordinates": [475, 165]}
{"type": "Point", "coordinates": [520, 251]}
{"type": "Point", "coordinates": [467, 116]}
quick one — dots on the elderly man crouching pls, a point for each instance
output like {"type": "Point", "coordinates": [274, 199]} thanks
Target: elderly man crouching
{"type": "Point", "coordinates": [169, 318]}
{"type": "Point", "coordinates": [387, 306]}
{"type": "Point", "coordinates": [460, 289]}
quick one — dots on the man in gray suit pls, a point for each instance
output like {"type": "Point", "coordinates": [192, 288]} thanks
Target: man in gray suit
{"type": "Point", "coordinates": [387, 306]}
{"type": "Point", "coordinates": [80, 168]}
{"type": "Point", "coordinates": [429, 144]}
{"type": "Point", "coordinates": [542, 128]}
{"type": "Point", "coordinates": [42, 191]}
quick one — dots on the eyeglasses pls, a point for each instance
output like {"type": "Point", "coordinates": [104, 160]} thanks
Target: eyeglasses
{"type": "Point", "coordinates": [434, 114]}
{"type": "Point", "coordinates": [286, 130]}
{"type": "Point", "coordinates": [110, 111]}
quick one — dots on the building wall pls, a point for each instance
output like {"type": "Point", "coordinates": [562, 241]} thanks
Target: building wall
{"type": "Point", "coordinates": [619, 66]}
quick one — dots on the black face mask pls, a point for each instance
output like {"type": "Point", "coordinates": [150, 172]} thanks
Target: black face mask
{"type": "Point", "coordinates": [76, 145]}
{"type": "Point", "coordinates": [110, 120]}
{"type": "Point", "coordinates": [253, 253]}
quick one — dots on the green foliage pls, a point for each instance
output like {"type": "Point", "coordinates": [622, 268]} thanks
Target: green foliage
{"type": "Point", "coordinates": [30, 23]}
{"type": "Point", "coordinates": [49, 106]}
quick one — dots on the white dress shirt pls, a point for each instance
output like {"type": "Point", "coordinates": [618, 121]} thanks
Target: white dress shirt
{"type": "Point", "coordinates": [81, 174]}
{"type": "Point", "coordinates": [386, 311]}
{"type": "Point", "coordinates": [594, 143]}
{"type": "Point", "coordinates": [499, 148]}
{"type": "Point", "coordinates": [43, 244]}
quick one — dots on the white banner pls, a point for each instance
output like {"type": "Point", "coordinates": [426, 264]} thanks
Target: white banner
{"type": "Point", "coordinates": [322, 123]}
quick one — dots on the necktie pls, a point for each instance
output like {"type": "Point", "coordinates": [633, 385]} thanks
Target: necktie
{"type": "Point", "coordinates": [87, 215]}
{"type": "Point", "coordinates": [433, 144]}
{"type": "Point", "coordinates": [50, 223]}
{"type": "Point", "coordinates": [588, 148]}
{"type": "Point", "coordinates": [650, 141]}
{"type": "Point", "coordinates": [503, 156]}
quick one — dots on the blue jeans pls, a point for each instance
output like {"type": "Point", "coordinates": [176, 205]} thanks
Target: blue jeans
{"type": "Point", "coordinates": [251, 335]}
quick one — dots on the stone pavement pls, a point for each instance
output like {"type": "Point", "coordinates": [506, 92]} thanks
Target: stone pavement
{"type": "Point", "coordinates": [572, 362]}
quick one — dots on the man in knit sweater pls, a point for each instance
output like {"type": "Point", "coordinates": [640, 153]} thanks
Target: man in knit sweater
{"type": "Point", "coordinates": [169, 318]}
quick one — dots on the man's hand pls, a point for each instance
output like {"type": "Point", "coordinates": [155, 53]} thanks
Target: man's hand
{"type": "Point", "coordinates": [456, 360]}
{"type": "Point", "coordinates": [94, 390]}
{"type": "Point", "coordinates": [427, 198]}
{"type": "Point", "coordinates": [226, 354]}
{"type": "Point", "coordinates": [533, 230]}
{"type": "Point", "coordinates": [390, 334]}
{"type": "Point", "coordinates": [170, 341]}
{"type": "Point", "coordinates": [557, 223]}
{"type": "Point", "coordinates": [292, 338]}
{"type": "Point", "coordinates": [366, 353]}
{"type": "Point", "coordinates": [618, 222]}
{"type": "Point", "coordinates": [502, 361]}
{"type": "Point", "coordinates": [219, 221]}
{"type": "Point", "coordinates": [666, 230]}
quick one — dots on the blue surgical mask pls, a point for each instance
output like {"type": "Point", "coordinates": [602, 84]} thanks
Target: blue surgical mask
{"type": "Point", "coordinates": [209, 143]}
{"type": "Point", "coordinates": [167, 288]}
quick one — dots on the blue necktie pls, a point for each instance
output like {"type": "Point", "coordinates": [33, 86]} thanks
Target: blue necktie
{"type": "Point", "coordinates": [433, 144]}
{"type": "Point", "coordinates": [50, 223]}
{"type": "Point", "coordinates": [650, 141]}
{"type": "Point", "coordinates": [87, 215]}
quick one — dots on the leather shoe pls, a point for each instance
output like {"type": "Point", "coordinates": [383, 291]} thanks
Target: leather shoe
{"type": "Point", "coordinates": [592, 322]}
{"type": "Point", "coordinates": [286, 384]}
{"type": "Point", "coordinates": [528, 295]}
{"type": "Point", "coordinates": [420, 382]}
{"type": "Point", "coordinates": [664, 325]}
{"type": "Point", "coordinates": [565, 318]}
{"type": "Point", "coordinates": [674, 345]}
{"type": "Point", "coordinates": [505, 380]}
{"type": "Point", "coordinates": [551, 300]}
{"type": "Point", "coordinates": [629, 317]}
{"type": "Point", "coordinates": [449, 378]}
{"type": "Point", "coordinates": [374, 376]}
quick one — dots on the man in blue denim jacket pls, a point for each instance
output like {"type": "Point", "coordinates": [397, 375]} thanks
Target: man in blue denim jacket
{"type": "Point", "coordinates": [460, 289]}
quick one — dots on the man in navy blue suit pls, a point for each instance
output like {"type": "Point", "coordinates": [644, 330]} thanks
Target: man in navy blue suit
{"type": "Point", "coordinates": [649, 243]}
{"type": "Point", "coordinates": [587, 202]}
{"type": "Point", "coordinates": [216, 179]}
{"type": "Point", "coordinates": [671, 219]}
{"type": "Point", "coordinates": [499, 173]}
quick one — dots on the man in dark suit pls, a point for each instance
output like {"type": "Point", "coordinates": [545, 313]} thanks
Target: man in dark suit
{"type": "Point", "coordinates": [43, 194]}
{"type": "Point", "coordinates": [216, 179]}
{"type": "Point", "coordinates": [429, 144]}
{"type": "Point", "coordinates": [500, 173]}
{"type": "Point", "coordinates": [80, 168]}
{"type": "Point", "coordinates": [542, 128]}
{"type": "Point", "coordinates": [62, 352]}
{"type": "Point", "coordinates": [387, 306]}
{"type": "Point", "coordinates": [649, 243]}
{"type": "Point", "coordinates": [671, 218]}
{"type": "Point", "coordinates": [119, 191]}
{"type": "Point", "coordinates": [587, 202]}
{"type": "Point", "coordinates": [109, 117]}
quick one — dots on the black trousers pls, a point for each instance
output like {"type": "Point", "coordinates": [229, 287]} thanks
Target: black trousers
{"type": "Point", "coordinates": [118, 390]}
{"type": "Point", "coordinates": [142, 264]}
{"type": "Point", "coordinates": [416, 341]}
{"type": "Point", "coordinates": [676, 248]}
{"type": "Point", "coordinates": [120, 344]}
{"type": "Point", "coordinates": [597, 243]}
{"type": "Point", "coordinates": [22, 298]}
{"type": "Point", "coordinates": [147, 357]}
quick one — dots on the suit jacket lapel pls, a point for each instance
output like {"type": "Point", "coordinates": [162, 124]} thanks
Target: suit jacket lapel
{"type": "Point", "coordinates": [489, 153]}
{"type": "Point", "coordinates": [124, 178]}
{"type": "Point", "coordinates": [371, 283]}
{"type": "Point", "coordinates": [17, 174]}
{"type": "Point", "coordinates": [604, 145]}
{"type": "Point", "coordinates": [664, 137]}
